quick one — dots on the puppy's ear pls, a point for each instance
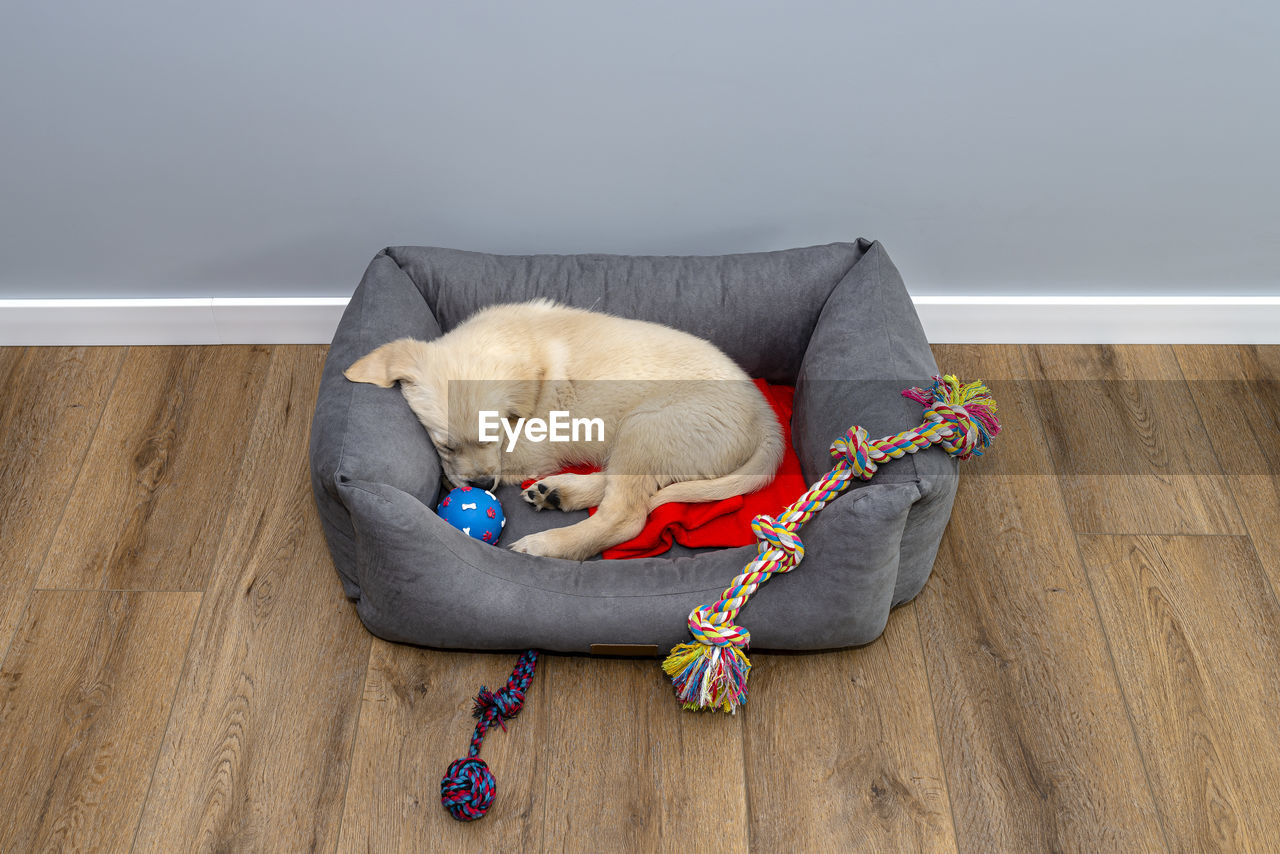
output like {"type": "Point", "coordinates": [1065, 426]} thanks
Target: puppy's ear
{"type": "Point", "coordinates": [522, 392]}
{"type": "Point", "coordinates": [399, 360]}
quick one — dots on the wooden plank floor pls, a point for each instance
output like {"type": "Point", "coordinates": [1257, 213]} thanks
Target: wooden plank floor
{"type": "Point", "coordinates": [1094, 665]}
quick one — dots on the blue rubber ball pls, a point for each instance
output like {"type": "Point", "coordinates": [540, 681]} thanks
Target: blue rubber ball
{"type": "Point", "coordinates": [475, 512]}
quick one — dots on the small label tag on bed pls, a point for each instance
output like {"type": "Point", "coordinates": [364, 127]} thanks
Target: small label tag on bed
{"type": "Point", "coordinates": [645, 649]}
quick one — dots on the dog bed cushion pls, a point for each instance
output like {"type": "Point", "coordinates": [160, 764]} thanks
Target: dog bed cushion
{"type": "Point", "coordinates": [835, 321]}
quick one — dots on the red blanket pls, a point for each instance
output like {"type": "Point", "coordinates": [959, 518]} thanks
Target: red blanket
{"type": "Point", "coordinates": [725, 523]}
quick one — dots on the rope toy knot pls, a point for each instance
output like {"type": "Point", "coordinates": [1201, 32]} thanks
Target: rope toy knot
{"type": "Point", "coordinates": [855, 449]}
{"type": "Point", "coordinates": [714, 627]}
{"type": "Point", "coordinates": [772, 534]}
{"type": "Point", "coordinates": [965, 433]}
{"type": "Point", "coordinates": [505, 703]}
{"type": "Point", "coordinates": [467, 788]}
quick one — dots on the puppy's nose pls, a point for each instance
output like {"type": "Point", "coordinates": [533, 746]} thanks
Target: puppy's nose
{"type": "Point", "coordinates": [485, 482]}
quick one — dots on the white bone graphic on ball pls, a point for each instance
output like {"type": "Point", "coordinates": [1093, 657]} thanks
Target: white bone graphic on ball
{"type": "Point", "coordinates": [470, 506]}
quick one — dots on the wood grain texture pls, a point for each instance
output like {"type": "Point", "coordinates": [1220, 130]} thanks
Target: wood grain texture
{"type": "Point", "coordinates": [85, 693]}
{"type": "Point", "coordinates": [1238, 399]}
{"type": "Point", "coordinates": [256, 757]}
{"type": "Point", "coordinates": [51, 399]}
{"type": "Point", "coordinates": [842, 750]}
{"type": "Point", "coordinates": [133, 521]}
{"type": "Point", "coordinates": [1237, 395]}
{"type": "Point", "coordinates": [628, 770]}
{"type": "Point", "coordinates": [1037, 745]}
{"type": "Point", "coordinates": [1133, 458]}
{"type": "Point", "coordinates": [1196, 634]}
{"type": "Point", "coordinates": [416, 719]}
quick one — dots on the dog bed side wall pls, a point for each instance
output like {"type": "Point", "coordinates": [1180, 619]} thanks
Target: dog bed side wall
{"type": "Point", "coordinates": [867, 346]}
{"type": "Point", "coordinates": [360, 431]}
{"type": "Point", "coordinates": [758, 307]}
{"type": "Point", "coordinates": [926, 523]}
{"type": "Point", "coordinates": [426, 583]}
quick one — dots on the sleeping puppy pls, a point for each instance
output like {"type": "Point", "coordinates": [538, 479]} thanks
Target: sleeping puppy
{"type": "Point", "coordinates": [665, 415]}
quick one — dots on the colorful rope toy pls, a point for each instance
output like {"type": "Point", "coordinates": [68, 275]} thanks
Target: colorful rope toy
{"type": "Point", "coordinates": [711, 673]}
{"type": "Point", "coordinates": [468, 786]}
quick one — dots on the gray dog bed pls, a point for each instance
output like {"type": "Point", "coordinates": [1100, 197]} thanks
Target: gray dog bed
{"type": "Point", "coordinates": [833, 320]}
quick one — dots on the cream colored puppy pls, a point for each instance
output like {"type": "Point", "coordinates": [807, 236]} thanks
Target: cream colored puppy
{"type": "Point", "coordinates": [664, 414]}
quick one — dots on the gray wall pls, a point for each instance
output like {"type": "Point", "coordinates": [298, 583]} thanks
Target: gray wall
{"type": "Point", "coordinates": [265, 148]}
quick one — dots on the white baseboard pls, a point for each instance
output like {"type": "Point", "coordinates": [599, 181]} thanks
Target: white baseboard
{"type": "Point", "coordinates": [946, 320]}
{"type": "Point", "coordinates": [217, 320]}
{"type": "Point", "coordinates": [1100, 320]}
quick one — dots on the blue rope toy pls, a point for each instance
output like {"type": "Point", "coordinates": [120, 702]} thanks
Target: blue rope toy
{"type": "Point", "coordinates": [468, 786]}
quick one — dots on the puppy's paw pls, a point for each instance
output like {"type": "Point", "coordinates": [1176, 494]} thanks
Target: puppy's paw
{"type": "Point", "coordinates": [534, 544]}
{"type": "Point", "coordinates": [541, 496]}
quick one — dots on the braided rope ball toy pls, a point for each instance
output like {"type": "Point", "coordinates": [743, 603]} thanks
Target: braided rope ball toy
{"type": "Point", "coordinates": [468, 787]}
{"type": "Point", "coordinates": [711, 673]}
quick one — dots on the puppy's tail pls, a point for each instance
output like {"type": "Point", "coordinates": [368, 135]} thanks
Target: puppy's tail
{"type": "Point", "coordinates": [756, 473]}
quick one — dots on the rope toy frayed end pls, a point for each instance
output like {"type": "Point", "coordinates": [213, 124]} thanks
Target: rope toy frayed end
{"type": "Point", "coordinates": [967, 406]}
{"type": "Point", "coordinates": [502, 706]}
{"type": "Point", "coordinates": [709, 677]}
